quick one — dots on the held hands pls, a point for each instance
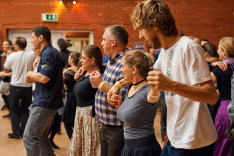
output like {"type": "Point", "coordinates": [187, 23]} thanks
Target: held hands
{"type": "Point", "coordinates": [115, 100]}
{"type": "Point", "coordinates": [159, 82]}
{"type": "Point", "coordinates": [79, 73]}
{"type": "Point", "coordinates": [112, 94]}
{"type": "Point", "coordinates": [95, 79]}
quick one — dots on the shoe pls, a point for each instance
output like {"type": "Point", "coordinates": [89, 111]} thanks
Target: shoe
{"type": "Point", "coordinates": [13, 136]}
{"type": "Point", "coordinates": [6, 116]}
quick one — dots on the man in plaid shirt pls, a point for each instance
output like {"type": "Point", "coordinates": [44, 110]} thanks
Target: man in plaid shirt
{"type": "Point", "coordinates": [115, 40]}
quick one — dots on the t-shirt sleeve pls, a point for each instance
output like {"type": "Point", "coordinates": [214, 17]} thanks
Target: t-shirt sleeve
{"type": "Point", "coordinates": [196, 65]}
{"type": "Point", "coordinates": [47, 65]}
{"type": "Point", "coordinates": [8, 62]}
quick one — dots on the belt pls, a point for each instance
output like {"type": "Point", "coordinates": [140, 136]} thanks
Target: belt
{"type": "Point", "coordinates": [112, 126]}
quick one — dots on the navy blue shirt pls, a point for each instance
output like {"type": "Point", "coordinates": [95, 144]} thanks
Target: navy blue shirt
{"type": "Point", "coordinates": [49, 95]}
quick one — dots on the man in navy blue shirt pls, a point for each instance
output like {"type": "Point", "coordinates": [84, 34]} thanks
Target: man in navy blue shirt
{"type": "Point", "coordinates": [48, 94]}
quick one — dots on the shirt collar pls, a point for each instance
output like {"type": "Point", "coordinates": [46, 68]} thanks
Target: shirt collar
{"type": "Point", "coordinates": [48, 45]}
{"type": "Point", "coordinates": [114, 58]}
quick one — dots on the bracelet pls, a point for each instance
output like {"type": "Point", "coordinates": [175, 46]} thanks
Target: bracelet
{"type": "Point", "coordinates": [100, 85]}
{"type": "Point", "coordinates": [118, 84]}
{"type": "Point", "coordinates": [158, 94]}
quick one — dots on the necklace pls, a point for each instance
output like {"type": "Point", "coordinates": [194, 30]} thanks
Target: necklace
{"type": "Point", "coordinates": [138, 82]}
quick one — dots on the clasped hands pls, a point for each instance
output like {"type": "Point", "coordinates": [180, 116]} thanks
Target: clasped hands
{"type": "Point", "coordinates": [157, 81]}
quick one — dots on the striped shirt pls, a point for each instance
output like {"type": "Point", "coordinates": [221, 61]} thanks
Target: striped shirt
{"type": "Point", "coordinates": [106, 113]}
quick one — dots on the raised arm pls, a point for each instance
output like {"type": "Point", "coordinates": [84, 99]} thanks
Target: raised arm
{"type": "Point", "coordinates": [203, 92]}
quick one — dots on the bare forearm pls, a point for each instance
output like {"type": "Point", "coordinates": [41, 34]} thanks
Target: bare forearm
{"type": "Point", "coordinates": [153, 97]}
{"type": "Point", "coordinates": [106, 87]}
{"type": "Point", "coordinates": [4, 74]}
{"type": "Point", "coordinates": [37, 77]}
{"type": "Point", "coordinates": [204, 94]}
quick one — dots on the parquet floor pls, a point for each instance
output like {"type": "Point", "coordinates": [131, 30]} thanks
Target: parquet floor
{"type": "Point", "coordinates": [12, 147]}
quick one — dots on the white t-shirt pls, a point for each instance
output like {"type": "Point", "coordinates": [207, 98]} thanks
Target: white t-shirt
{"type": "Point", "coordinates": [189, 124]}
{"type": "Point", "coordinates": [20, 63]}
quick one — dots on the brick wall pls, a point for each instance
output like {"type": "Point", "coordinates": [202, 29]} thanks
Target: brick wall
{"type": "Point", "coordinates": [210, 19]}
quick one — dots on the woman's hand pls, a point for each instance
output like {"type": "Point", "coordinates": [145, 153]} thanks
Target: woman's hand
{"type": "Point", "coordinates": [79, 73]}
{"type": "Point", "coordinates": [222, 65]}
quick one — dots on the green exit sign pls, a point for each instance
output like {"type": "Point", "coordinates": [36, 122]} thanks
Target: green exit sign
{"type": "Point", "coordinates": [49, 17]}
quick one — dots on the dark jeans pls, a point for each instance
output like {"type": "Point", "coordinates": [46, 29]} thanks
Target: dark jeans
{"type": "Point", "coordinates": [21, 98]}
{"type": "Point", "coordinates": [112, 140]}
{"type": "Point", "coordinates": [6, 100]}
{"type": "Point", "coordinates": [171, 151]}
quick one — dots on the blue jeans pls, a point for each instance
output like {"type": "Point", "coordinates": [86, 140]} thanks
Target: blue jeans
{"type": "Point", "coordinates": [204, 151]}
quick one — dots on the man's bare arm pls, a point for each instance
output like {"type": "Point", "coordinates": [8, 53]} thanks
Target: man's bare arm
{"type": "Point", "coordinates": [204, 93]}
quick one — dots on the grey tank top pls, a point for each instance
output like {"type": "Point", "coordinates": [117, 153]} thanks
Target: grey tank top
{"type": "Point", "coordinates": [137, 114]}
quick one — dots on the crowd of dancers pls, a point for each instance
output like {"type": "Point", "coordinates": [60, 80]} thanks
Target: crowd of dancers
{"type": "Point", "coordinates": [110, 107]}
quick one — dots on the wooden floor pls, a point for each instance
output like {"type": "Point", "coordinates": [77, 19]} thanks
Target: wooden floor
{"type": "Point", "coordinates": [13, 147]}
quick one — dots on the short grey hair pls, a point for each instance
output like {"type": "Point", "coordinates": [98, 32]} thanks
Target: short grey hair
{"type": "Point", "coordinates": [119, 33]}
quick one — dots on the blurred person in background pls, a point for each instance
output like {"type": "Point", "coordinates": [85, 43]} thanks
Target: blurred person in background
{"type": "Point", "coordinates": [64, 53]}
{"type": "Point", "coordinates": [223, 79]}
{"type": "Point", "coordinates": [69, 81]}
{"type": "Point", "coordinates": [6, 77]}
{"type": "Point", "coordinates": [20, 63]}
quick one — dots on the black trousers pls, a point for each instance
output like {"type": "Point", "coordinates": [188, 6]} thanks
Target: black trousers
{"type": "Point", "coordinates": [21, 98]}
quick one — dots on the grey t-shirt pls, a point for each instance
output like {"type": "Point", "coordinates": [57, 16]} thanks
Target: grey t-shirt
{"type": "Point", "coordinates": [137, 114]}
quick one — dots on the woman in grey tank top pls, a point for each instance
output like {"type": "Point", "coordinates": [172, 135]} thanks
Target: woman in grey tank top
{"type": "Point", "coordinates": [138, 108]}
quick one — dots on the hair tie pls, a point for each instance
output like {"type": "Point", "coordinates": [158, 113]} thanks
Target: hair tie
{"type": "Point", "coordinates": [145, 55]}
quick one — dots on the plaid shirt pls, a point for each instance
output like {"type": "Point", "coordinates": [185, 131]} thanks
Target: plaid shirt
{"type": "Point", "coordinates": [106, 113]}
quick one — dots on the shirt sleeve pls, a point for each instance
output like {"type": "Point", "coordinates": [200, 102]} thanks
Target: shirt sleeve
{"type": "Point", "coordinates": [196, 65]}
{"type": "Point", "coordinates": [47, 65]}
{"type": "Point", "coordinates": [8, 63]}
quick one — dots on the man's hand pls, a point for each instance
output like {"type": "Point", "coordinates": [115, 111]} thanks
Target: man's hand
{"type": "Point", "coordinates": [95, 79]}
{"type": "Point", "coordinates": [113, 92]}
{"type": "Point", "coordinates": [79, 73]}
{"type": "Point", "coordinates": [116, 101]}
{"type": "Point", "coordinates": [157, 81]}
{"type": "Point", "coordinates": [28, 79]}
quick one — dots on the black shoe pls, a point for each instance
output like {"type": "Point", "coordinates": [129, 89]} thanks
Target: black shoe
{"type": "Point", "coordinates": [6, 116]}
{"type": "Point", "coordinates": [13, 136]}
